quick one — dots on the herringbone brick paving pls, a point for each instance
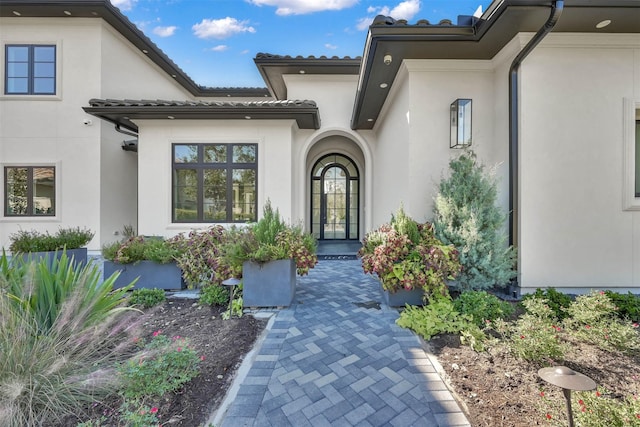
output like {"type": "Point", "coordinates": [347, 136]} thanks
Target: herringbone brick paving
{"type": "Point", "coordinates": [337, 358]}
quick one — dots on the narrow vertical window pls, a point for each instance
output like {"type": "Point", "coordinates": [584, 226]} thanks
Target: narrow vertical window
{"type": "Point", "coordinates": [30, 70]}
{"type": "Point", "coordinates": [29, 191]}
{"type": "Point", "coordinates": [637, 142]}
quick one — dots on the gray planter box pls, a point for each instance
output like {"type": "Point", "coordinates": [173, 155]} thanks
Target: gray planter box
{"type": "Point", "coordinates": [79, 256]}
{"type": "Point", "coordinates": [269, 284]}
{"type": "Point", "coordinates": [402, 297]}
{"type": "Point", "coordinates": [151, 275]}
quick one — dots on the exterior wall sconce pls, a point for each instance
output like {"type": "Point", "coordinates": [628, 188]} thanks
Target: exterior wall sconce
{"type": "Point", "coordinates": [460, 123]}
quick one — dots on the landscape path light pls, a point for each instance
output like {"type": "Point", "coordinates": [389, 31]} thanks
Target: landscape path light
{"type": "Point", "coordinates": [568, 380]}
{"type": "Point", "coordinates": [231, 282]}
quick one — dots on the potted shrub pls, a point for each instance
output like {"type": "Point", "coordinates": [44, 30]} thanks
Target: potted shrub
{"type": "Point", "coordinates": [34, 245]}
{"type": "Point", "coordinates": [409, 260]}
{"type": "Point", "coordinates": [270, 252]}
{"type": "Point", "coordinates": [200, 257]}
{"type": "Point", "coordinates": [151, 260]}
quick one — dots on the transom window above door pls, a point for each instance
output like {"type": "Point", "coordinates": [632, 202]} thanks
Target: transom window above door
{"type": "Point", "coordinates": [215, 183]}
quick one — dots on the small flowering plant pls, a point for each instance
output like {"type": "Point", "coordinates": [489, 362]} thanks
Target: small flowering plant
{"type": "Point", "coordinates": [163, 365]}
{"type": "Point", "coordinates": [406, 255]}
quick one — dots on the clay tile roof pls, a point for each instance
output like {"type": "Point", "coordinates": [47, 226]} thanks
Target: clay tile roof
{"type": "Point", "coordinates": [124, 112]}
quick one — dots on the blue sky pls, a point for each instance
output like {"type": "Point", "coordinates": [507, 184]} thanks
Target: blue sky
{"type": "Point", "coordinates": [215, 41]}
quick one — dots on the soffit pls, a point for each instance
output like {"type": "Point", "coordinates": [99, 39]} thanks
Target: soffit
{"type": "Point", "coordinates": [481, 40]}
{"type": "Point", "coordinates": [125, 112]}
{"type": "Point", "coordinates": [273, 67]}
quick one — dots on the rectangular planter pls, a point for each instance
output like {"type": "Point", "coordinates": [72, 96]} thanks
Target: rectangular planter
{"type": "Point", "coordinates": [79, 256]}
{"type": "Point", "coordinates": [402, 297]}
{"type": "Point", "coordinates": [151, 275]}
{"type": "Point", "coordinates": [269, 284]}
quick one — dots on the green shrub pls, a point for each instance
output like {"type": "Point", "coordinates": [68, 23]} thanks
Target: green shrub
{"type": "Point", "coordinates": [482, 306]}
{"type": "Point", "coordinates": [58, 351]}
{"type": "Point", "coordinates": [593, 318]}
{"type": "Point", "coordinates": [466, 216]}
{"type": "Point", "coordinates": [400, 263]}
{"type": "Point", "coordinates": [147, 298]}
{"type": "Point", "coordinates": [440, 316]}
{"type": "Point", "coordinates": [140, 248]}
{"type": "Point", "coordinates": [214, 295]}
{"type": "Point", "coordinates": [595, 408]}
{"type": "Point", "coordinates": [557, 301]}
{"type": "Point", "coordinates": [163, 366]}
{"type": "Point", "coordinates": [200, 257]}
{"type": "Point", "coordinates": [600, 409]}
{"type": "Point", "coordinates": [24, 241]}
{"type": "Point", "coordinates": [270, 239]}
{"type": "Point", "coordinates": [534, 336]}
{"type": "Point", "coordinates": [628, 305]}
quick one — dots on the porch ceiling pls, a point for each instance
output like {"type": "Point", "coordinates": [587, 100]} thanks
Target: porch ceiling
{"type": "Point", "coordinates": [480, 40]}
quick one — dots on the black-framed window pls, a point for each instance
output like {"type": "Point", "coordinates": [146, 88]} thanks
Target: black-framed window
{"type": "Point", "coordinates": [29, 191]}
{"type": "Point", "coordinates": [215, 182]}
{"type": "Point", "coordinates": [30, 69]}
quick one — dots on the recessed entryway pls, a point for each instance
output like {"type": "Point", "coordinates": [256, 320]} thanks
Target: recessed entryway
{"type": "Point", "coordinates": [335, 198]}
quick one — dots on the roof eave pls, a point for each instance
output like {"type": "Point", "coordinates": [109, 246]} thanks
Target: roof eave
{"type": "Point", "coordinates": [305, 117]}
{"type": "Point", "coordinates": [112, 15]}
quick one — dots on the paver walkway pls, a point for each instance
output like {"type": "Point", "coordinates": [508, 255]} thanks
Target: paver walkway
{"type": "Point", "coordinates": [337, 358]}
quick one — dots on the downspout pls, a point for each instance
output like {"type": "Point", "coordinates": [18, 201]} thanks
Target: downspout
{"type": "Point", "coordinates": [556, 11]}
{"type": "Point", "coordinates": [126, 132]}
{"type": "Point", "coordinates": [131, 145]}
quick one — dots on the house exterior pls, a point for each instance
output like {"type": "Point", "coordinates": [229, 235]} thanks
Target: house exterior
{"type": "Point", "coordinates": [110, 132]}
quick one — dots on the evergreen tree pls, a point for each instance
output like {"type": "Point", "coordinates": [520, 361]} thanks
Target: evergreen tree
{"type": "Point", "coordinates": [466, 216]}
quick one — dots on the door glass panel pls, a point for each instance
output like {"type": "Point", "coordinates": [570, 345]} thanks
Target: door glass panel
{"type": "Point", "coordinates": [335, 189]}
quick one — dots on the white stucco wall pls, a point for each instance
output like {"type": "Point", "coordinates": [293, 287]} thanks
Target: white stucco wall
{"type": "Point", "coordinates": [155, 168]}
{"type": "Point", "coordinates": [334, 95]}
{"type": "Point", "coordinates": [390, 170]}
{"type": "Point", "coordinates": [575, 234]}
{"type": "Point", "coordinates": [49, 130]}
{"type": "Point", "coordinates": [96, 179]}
{"type": "Point", "coordinates": [413, 151]}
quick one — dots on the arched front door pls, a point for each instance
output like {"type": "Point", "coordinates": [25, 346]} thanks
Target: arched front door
{"type": "Point", "coordinates": [335, 198]}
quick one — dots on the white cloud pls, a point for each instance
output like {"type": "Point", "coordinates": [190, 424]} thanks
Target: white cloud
{"type": "Point", "coordinates": [220, 48]}
{"type": "Point", "coordinates": [123, 4]}
{"type": "Point", "coordinates": [403, 10]}
{"type": "Point", "coordinates": [165, 31]}
{"type": "Point", "coordinates": [363, 23]}
{"type": "Point", "coordinates": [244, 52]}
{"type": "Point", "coordinates": [221, 28]}
{"type": "Point", "coordinates": [330, 46]}
{"type": "Point", "coordinates": [301, 7]}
